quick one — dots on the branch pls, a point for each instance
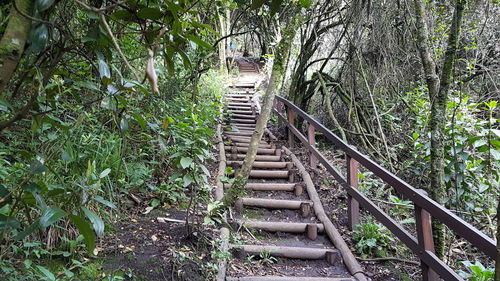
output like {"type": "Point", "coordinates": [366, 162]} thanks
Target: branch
{"type": "Point", "coordinates": [390, 259]}
{"type": "Point", "coordinates": [99, 10]}
{"type": "Point", "coordinates": [229, 35]}
{"type": "Point", "coordinates": [117, 47]}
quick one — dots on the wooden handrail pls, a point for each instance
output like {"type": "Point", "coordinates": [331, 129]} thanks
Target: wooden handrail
{"type": "Point", "coordinates": [424, 206]}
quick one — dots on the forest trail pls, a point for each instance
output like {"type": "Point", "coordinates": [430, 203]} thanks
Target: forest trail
{"type": "Point", "coordinates": [282, 239]}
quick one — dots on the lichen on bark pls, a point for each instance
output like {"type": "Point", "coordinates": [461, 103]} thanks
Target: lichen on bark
{"type": "Point", "coordinates": [14, 39]}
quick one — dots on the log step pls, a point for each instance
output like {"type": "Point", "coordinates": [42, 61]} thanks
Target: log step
{"type": "Point", "coordinates": [272, 186]}
{"type": "Point", "coordinates": [244, 116]}
{"type": "Point", "coordinates": [296, 188]}
{"type": "Point", "coordinates": [239, 104]}
{"type": "Point", "coordinates": [239, 129]}
{"type": "Point", "coordinates": [240, 96]}
{"type": "Point", "coordinates": [274, 203]}
{"type": "Point", "coordinates": [259, 157]}
{"type": "Point", "coordinates": [246, 133]}
{"type": "Point", "coordinates": [245, 140]}
{"type": "Point", "coordinates": [246, 112]}
{"type": "Point", "coordinates": [277, 226]}
{"type": "Point", "coordinates": [245, 149]}
{"type": "Point", "coordinates": [246, 121]}
{"type": "Point", "coordinates": [265, 165]}
{"type": "Point", "coordinates": [238, 99]}
{"type": "Point", "coordinates": [270, 174]}
{"type": "Point", "coordinates": [287, 278]}
{"type": "Point", "coordinates": [261, 145]}
{"type": "Point", "coordinates": [332, 255]}
{"type": "Point", "coordinates": [243, 85]}
{"type": "Point", "coordinates": [249, 91]}
{"type": "Point", "coordinates": [235, 127]}
{"type": "Point", "coordinates": [252, 126]}
{"type": "Point", "coordinates": [240, 107]}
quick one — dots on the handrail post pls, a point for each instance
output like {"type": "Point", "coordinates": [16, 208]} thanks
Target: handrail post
{"type": "Point", "coordinates": [291, 121]}
{"type": "Point", "coordinates": [425, 240]}
{"type": "Point", "coordinates": [352, 204]}
{"type": "Point", "coordinates": [312, 141]}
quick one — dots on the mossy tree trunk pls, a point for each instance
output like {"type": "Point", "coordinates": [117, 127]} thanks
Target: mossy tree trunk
{"type": "Point", "coordinates": [223, 22]}
{"type": "Point", "coordinates": [438, 93]}
{"type": "Point", "coordinates": [278, 70]}
{"type": "Point", "coordinates": [13, 40]}
{"type": "Point", "coordinates": [497, 263]}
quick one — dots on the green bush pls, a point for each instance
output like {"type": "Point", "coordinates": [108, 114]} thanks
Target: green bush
{"type": "Point", "coordinates": [372, 239]}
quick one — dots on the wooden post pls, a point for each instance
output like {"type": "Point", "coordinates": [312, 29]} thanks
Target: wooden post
{"type": "Point", "coordinates": [352, 204]}
{"type": "Point", "coordinates": [291, 121]}
{"type": "Point", "coordinates": [425, 240]}
{"type": "Point", "coordinates": [312, 141]}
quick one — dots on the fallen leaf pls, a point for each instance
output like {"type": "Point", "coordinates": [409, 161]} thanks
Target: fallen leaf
{"type": "Point", "coordinates": [97, 250]}
{"type": "Point", "coordinates": [148, 210]}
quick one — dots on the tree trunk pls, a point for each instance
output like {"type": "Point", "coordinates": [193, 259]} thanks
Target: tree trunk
{"type": "Point", "coordinates": [438, 93]}
{"type": "Point", "coordinates": [278, 70]}
{"type": "Point", "coordinates": [222, 44]}
{"type": "Point", "coordinates": [497, 264]}
{"type": "Point", "coordinates": [13, 40]}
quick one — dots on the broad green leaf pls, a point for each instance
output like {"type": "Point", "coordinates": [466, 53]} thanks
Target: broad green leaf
{"type": "Point", "coordinates": [92, 15]}
{"type": "Point", "coordinates": [205, 170]}
{"type": "Point", "coordinates": [186, 162]}
{"type": "Point", "coordinates": [495, 153]}
{"type": "Point", "coordinates": [155, 203]}
{"type": "Point", "coordinates": [65, 156]}
{"type": "Point", "coordinates": [50, 276]}
{"type": "Point", "coordinates": [150, 13]}
{"type": "Point", "coordinates": [170, 64]}
{"type": "Point", "coordinates": [36, 167]}
{"type": "Point", "coordinates": [31, 187]}
{"type": "Point", "coordinates": [140, 120]}
{"type": "Point", "coordinates": [174, 9]}
{"type": "Point", "coordinates": [105, 202]}
{"type": "Point", "coordinates": [52, 215]}
{"type": "Point", "coordinates": [256, 4]}
{"type": "Point", "coordinates": [275, 6]}
{"type": "Point", "coordinates": [479, 143]}
{"type": "Point", "coordinates": [39, 200]}
{"type": "Point", "coordinates": [42, 5]}
{"type": "Point", "coordinates": [30, 229]}
{"type": "Point", "coordinates": [105, 173]}
{"type": "Point", "coordinates": [483, 188]}
{"type": "Point", "coordinates": [39, 36]}
{"type": "Point", "coordinates": [495, 143]}
{"type": "Point", "coordinates": [187, 180]}
{"type": "Point", "coordinates": [305, 3]}
{"type": "Point", "coordinates": [104, 71]}
{"type": "Point", "coordinates": [122, 15]}
{"type": "Point", "coordinates": [198, 41]}
{"type": "Point", "coordinates": [68, 273]}
{"type": "Point", "coordinates": [4, 195]}
{"type": "Point", "coordinates": [97, 222]}
{"type": "Point", "coordinates": [185, 58]}
{"type": "Point", "coordinates": [496, 132]}
{"type": "Point", "coordinates": [124, 124]}
{"type": "Point", "coordinates": [5, 105]}
{"type": "Point", "coordinates": [85, 229]}
{"type": "Point", "coordinates": [7, 222]}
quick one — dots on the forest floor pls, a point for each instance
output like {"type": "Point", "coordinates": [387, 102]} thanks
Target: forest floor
{"type": "Point", "coordinates": [141, 248]}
